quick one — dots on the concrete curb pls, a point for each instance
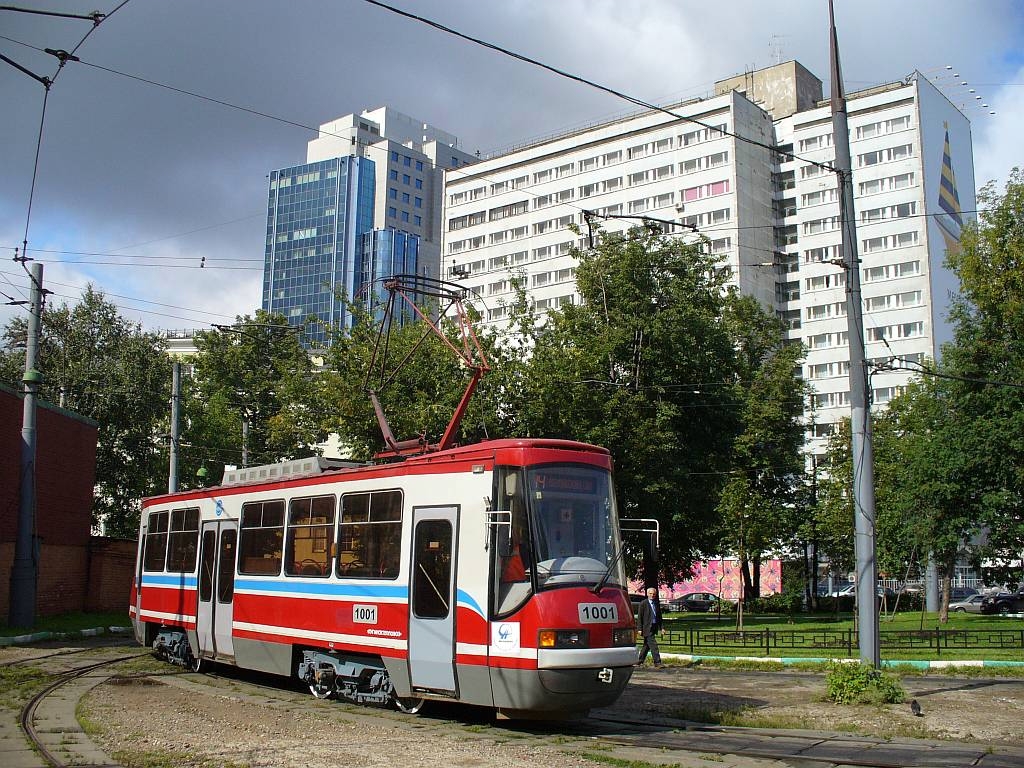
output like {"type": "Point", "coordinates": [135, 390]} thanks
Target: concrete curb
{"type": "Point", "coordinates": [36, 637]}
{"type": "Point", "coordinates": [919, 664]}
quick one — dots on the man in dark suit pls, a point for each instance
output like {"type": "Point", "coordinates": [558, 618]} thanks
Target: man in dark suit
{"type": "Point", "coordinates": [649, 618]}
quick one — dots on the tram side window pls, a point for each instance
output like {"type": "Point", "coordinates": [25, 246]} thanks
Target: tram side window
{"type": "Point", "coordinates": [181, 545]}
{"type": "Point", "coordinates": [370, 535]}
{"type": "Point", "coordinates": [156, 542]}
{"type": "Point", "coordinates": [511, 545]}
{"type": "Point", "coordinates": [310, 534]}
{"type": "Point", "coordinates": [262, 538]}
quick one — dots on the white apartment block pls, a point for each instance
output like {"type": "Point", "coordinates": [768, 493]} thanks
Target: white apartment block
{"type": "Point", "coordinates": [771, 218]}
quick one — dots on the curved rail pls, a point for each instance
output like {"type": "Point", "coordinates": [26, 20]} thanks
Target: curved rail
{"type": "Point", "coordinates": [27, 719]}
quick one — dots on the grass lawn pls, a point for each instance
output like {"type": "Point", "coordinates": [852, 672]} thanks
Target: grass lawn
{"type": "Point", "coordinates": [70, 622]}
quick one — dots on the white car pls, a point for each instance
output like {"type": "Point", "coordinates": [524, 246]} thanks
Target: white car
{"type": "Point", "coordinates": [970, 604]}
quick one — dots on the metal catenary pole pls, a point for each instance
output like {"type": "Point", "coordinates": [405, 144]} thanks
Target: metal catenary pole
{"type": "Point", "coordinates": [24, 572]}
{"type": "Point", "coordinates": [860, 414]}
{"type": "Point", "coordinates": [172, 477]}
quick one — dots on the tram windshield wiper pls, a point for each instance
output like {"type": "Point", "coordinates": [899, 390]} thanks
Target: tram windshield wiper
{"type": "Point", "coordinates": [608, 572]}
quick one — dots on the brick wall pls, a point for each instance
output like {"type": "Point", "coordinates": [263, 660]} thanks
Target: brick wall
{"type": "Point", "coordinates": [111, 568]}
{"type": "Point", "coordinates": [65, 471]}
{"type": "Point", "coordinates": [65, 476]}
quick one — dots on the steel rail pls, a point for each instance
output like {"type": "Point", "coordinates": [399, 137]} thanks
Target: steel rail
{"type": "Point", "coordinates": [27, 719]}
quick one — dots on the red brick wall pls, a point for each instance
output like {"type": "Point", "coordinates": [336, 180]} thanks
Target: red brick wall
{"type": "Point", "coordinates": [65, 472]}
{"type": "Point", "coordinates": [65, 476]}
{"type": "Point", "coordinates": [111, 568]}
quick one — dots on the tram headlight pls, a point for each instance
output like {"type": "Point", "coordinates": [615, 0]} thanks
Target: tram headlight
{"type": "Point", "coordinates": [625, 636]}
{"type": "Point", "coordinates": [563, 638]}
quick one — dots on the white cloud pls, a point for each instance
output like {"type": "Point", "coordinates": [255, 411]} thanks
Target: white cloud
{"type": "Point", "coordinates": [998, 146]}
{"type": "Point", "coordinates": [151, 163]}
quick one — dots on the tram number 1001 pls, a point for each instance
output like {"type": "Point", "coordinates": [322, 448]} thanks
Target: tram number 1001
{"type": "Point", "coordinates": [364, 614]}
{"type": "Point", "coordinates": [598, 613]}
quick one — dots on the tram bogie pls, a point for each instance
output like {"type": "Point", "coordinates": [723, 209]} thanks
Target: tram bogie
{"type": "Point", "coordinates": [488, 574]}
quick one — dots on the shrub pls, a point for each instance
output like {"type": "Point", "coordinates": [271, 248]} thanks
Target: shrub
{"type": "Point", "coordinates": [847, 683]}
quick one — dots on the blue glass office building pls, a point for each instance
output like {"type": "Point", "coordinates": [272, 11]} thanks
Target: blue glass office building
{"type": "Point", "coordinates": [388, 252]}
{"type": "Point", "coordinates": [316, 218]}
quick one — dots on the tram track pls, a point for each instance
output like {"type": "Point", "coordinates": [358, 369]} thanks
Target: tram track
{"type": "Point", "coordinates": [627, 734]}
{"type": "Point", "coordinates": [30, 660]}
{"type": "Point", "coordinates": [27, 717]}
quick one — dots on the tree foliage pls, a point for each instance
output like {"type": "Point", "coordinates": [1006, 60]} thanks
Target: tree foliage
{"type": "Point", "coordinates": [987, 358]}
{"type": "Point", "coordinates": [760, 503]}
{"type": "Point", "coordinates": [254, 371]}
{"type": "Point", "coordinates": [948, 451]}
{"type": "Point", "coordinates": [101, 365]}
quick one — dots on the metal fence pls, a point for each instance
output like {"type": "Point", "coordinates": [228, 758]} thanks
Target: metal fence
{"type": "Point", "coordinates": [835, 642]}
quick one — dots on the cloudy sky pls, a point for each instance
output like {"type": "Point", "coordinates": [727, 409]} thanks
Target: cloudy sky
{"type": "Point", "coordinates": [138, 183]}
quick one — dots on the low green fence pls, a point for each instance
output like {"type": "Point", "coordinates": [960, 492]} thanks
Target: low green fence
{"type": "Point", "coordinates": [835, 642]}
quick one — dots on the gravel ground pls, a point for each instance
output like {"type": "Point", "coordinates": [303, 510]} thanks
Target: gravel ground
{"type": "Point", "coordinates": [956, 708]}
{"type": "Point", "coordinates": [143, 722]}
{"type": "Point", "coordinates": [187, 721]}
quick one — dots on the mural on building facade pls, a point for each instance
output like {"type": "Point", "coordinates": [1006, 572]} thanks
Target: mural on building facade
{"type": "Point", "coordinates": [718, 577]}
{"type": "Point", "coordinates": [951, 220]}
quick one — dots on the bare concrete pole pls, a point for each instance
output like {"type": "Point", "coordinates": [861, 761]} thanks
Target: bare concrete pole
{"type": "Point", "coordinates": [860, 412]}
{"type": "Point", "coordinates": [172, 475]}
{"type": "Point", "coordinates": [25, 571]}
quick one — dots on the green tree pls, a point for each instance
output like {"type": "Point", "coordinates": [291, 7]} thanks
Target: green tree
{"type": "Point", "coordinates": [254, 372]}
{"type": "Point", "coordinates": [644, 365]}
{"type": "Point", "coordinates": [101, 365]}
{"type": "Point", "coordinates": [986, 357]}
{"type": "Point", "coordinates": [760, 501]}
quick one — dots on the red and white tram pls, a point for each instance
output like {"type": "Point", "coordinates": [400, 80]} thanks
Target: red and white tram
{"type": "Point", "coordinates": [488, 574]}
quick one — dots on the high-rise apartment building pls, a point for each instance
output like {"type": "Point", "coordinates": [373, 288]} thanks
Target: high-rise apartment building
{"type": "Point", "coordinates": [745, 167]}
{"type": "Point", "coordinates": [366, 204]}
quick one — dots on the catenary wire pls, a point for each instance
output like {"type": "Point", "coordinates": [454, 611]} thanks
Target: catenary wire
{"type": "Point", "coordinates": [130, 298]}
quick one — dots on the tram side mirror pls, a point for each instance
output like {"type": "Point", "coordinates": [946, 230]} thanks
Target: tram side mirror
{"type": "Point", "coordinates": [503, 540]}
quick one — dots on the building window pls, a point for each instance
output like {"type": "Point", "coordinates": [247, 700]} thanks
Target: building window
{"type": "Point", "coordinates": [394, 157]}
{"type": "Point", "coordinates": [419, 165]}
{"type": "Point", "coordinates": [406, 179]}
{"type": "Point", "coordinates": [392, 212]}
{"type": "Point", "coordinates": [417, 202]}
{"type": "Point", "coordinates": [405, 216]}
{"type": "Point", "coordinates": [393, 175]}
{"type": "Point", "coordinates": [405, 198]}
{"type": "Point", "coordinates": [406, 161]}
{"type": "Point", "coordinates": [393, 194]}
{"type": "Point", "coordinates": [419, 183]}
{"type": "Point", "coordinates": [418, 221]}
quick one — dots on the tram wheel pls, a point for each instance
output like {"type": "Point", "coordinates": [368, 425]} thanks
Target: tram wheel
{"type": "Point", "coordinates": [411, 705]}
{"type": "Point", "coordinates": [320, 691]}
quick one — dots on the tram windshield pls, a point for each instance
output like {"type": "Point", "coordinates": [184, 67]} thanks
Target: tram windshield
{"type": "Point", "coordinates": [563, 531]}
{"type": "Point", "coordinates": [575, 526]}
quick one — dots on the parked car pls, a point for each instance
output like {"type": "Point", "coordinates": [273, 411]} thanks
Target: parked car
{"type": "Point", "coordinates": [1006, 602]}
{"type": "Point", "coordinates": [957, 594]}
{"type": "Point", "coordinates": [846, 590]}
{"type": "Point", "coordinates": [970, 605]}
{"type": "Point", "coordinates": [697, 601]}
{"type": "Point", "coordinates": [635, 600]}
{"type": "Point", "coordinates": [850, 590]}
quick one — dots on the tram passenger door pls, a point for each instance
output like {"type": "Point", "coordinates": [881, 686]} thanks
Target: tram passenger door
{"type": "Point", "coordinates": [432, 599]}
{"type": "Point", "coordinates": [216, 588]}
